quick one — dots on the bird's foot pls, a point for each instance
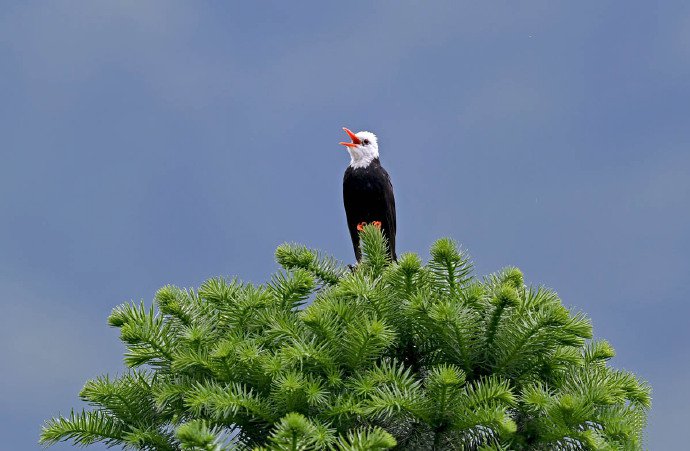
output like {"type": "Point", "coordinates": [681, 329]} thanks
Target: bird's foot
{"type": "Point", "coordinates": [376, 224]}
{"type": "Point", "coordinates": [360, 226]}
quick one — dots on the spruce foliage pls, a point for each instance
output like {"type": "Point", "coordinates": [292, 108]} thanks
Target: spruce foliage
{"type": "Point", "coordinates": [389, 355]}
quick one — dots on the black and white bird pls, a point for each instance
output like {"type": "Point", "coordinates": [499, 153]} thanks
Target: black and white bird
{"type": "Point", "coordinates": [367, 190]}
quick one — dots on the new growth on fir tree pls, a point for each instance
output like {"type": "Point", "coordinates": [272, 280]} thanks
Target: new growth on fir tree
{"type": "Point", "coordinates": [400, 355]}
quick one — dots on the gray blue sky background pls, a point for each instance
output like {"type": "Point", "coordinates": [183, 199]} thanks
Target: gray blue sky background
{"type": "Point", "coordinates": [146, 143]}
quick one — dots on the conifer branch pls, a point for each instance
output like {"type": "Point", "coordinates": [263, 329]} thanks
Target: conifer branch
{"type": "Point", "coordinates": [294, 256]}
{"type": "Point", "coordinates": [83, 429]}
{"type": "Point", "coordinates": [375, 254]}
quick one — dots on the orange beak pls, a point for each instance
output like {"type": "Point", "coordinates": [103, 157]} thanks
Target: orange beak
{"type": "Point", "coordinates": [355, 140]}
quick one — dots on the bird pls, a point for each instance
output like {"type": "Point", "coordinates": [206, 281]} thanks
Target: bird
{"type": "Point", "coordinates": [367, 191]}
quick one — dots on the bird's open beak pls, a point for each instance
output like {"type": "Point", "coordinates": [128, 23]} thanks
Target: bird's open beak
{"type": "Point", "coordinates": [355, 140]}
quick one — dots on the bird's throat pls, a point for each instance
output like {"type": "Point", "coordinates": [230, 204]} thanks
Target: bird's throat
{"type": "Point", "coordinates": [361, 161]}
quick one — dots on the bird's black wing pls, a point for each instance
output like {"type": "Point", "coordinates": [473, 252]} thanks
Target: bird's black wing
{"type": "Point", "coordinates": [390, 217]}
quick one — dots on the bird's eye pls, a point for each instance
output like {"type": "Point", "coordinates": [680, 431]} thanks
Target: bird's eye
{"type": "Point", "coordinates": [365, 142]}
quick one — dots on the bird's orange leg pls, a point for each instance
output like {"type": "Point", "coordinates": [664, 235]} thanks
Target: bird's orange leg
{"type": "Point", "coordinates": [360, 226]}
{"type": "Point", "coordinates": [376, 224]}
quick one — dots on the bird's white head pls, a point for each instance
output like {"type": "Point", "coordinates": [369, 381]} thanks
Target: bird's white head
{"type": "Point", "coordinates": [363, 149]}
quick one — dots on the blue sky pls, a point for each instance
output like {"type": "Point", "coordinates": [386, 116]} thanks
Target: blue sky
{"type": "Point", "coordinates": [146, 143]}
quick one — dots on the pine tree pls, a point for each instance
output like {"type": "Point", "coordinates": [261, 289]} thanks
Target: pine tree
{"type": "Point", "coordinates": [387, 355]}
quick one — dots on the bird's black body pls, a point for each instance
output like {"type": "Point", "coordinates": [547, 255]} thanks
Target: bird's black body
{"type": "Point", "coordinates": [368, 196]}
